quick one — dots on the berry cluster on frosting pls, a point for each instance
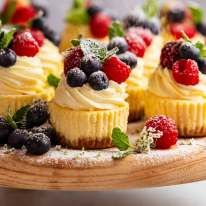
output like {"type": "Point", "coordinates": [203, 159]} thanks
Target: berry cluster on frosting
{"type": "Point", "coordinates": [85, 12]}
{"type": "Point", "coordinates": [186, 60]}
{"type": "Point", "coordinates": [90, 62]}
{"type": "Point", "coordinates": [28, 16]}
{"type": "Point", "coordinates": [184, 17]}
{"type": "Point", "coordinates": [145, 17]}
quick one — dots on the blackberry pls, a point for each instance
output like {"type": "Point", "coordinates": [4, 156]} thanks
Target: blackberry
{"type": "Point", "coordinates": [76, 77]}
{"type": "Point", "coordinates": [98, 81]}
{"type": "Point", "coordinates": [7, 57]}
{"type": "Point", "coordinates": [202, 65]}
{"type": "Point", "coordinates": [37, 114]}
{"type": "Point", "coordinates": [90, 64]}
{"type": "Point", "coordinates": [48, 130]}
{"type": "Point", "coordinates": [176, 15]}
{"type": "Point", "coordinates": [201, 27]}
{"type": "Point", "coordinates": [129, 58]}
{"type": "Point", "coordinates": [188, 51]}
{"type": "Point", "coordinates": [38, 144]}
{"type": "Point", "coordinates": [93, 10]}
{"type": "Point", "coordinates": [18, 138]}
{"type": "Point", "coordinates": [5, 130]}
{"type": "Point", "coordinates": [120, 43]}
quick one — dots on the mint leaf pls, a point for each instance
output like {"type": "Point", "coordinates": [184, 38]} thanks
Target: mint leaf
{"type": "Point", "coordinates": [78, 16]}
{"type": "Point", "coordinates": [53, 80]}
{"type": "Point", "coordinates": [75, 42]}
{"type": "Point", "coordinates": [116, 29]}
{"type": "Point", "coordinates": [120, 139]}
{"type": "Point", "coordinates": [6, 36]}
{"type": "Point", "coordinates": [20, 114]}
{"type": "Point", "coordinates": [197, 13]}
{"type": "Point", "coordinates": [150, 8]}
{"type": "Point", "coordinates": [10, 121]}
{"type": "Point", "coordinates": [202, 48]}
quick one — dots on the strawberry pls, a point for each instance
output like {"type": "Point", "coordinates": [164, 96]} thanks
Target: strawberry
{"type": "Point", "coordinates": [25, 45]}
{"type": "Point", "coordinates": [116, 70]}
{"type": "Point", "coordinates": [72, 59]}
{"type": "Point", "coordinates": [100, 24]}
{"type": "Point", "coordinates": [38, 36]}
{"type": "Point", "coordinates": [165, 128]}
{"type": "Point", "coordinates": [23, 14]}
{"type": "Point", "coordinates": [186, 72]}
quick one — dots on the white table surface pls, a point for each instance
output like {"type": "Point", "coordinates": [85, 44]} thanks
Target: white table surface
{"type": "Point", "coordinates": [182, 195]}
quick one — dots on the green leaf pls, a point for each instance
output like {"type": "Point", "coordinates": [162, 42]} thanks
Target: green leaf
{"type": "Point", "coordinates": [120, 139]}
{"type": "Point", "coordinates": [75, 42]}
{"type": "Point", "coordinates": [78, 3]}
{"type": "Point", "coordinates": [10, 121]}
{"type": "Point", "coordinates": [150, 8]}
{"type": "Point", "coordinates": [197, 12]}
{"type": "Point", "coordinates": [20, 114]}
{"type": "Point", "coordinates": [78, 16]}
{"type": "Point", "coordinates": [116, 29]}
{"type": "Point", "coordinates": [122, 154]}
{"type": "Point", "coordinates": [6, 36]}
{"type": "Point", "coordinates": [53, 80]}
{"type": "Point", "coordinates": [111, 53]}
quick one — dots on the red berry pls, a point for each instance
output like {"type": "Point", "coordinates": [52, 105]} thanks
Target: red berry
{"type": "Point", "coordinates": [186, 72]}
{"type": "Point", "coordinates": [116, 70]}
{"type": "Point", "coordinates": [25, 45]}
{"type": "Point", "coordinates": [170, 54]}
{"type": "Point", "coordinates": [188, 28]}
{"type": "Point", "coordinates": [136, 44]}
{"type": "Point", "coordinates": [72, 59]}
{"type": "Point", "coordinates": [167, 128]}
{"type": "Point", "coordinates": [100, 24]}
{"type": "Point", "coordinates": [146, 34]}
{"type": "Point", "coordinates": [23, 14]}
{"type": "Point", "coordinates": [38, 36]}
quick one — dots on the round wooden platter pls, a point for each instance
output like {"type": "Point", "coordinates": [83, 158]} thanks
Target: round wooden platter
{"type": "Point", "coordinates": [63, 169]}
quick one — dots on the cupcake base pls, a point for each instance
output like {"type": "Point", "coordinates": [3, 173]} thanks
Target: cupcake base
{"type": "Point", "coordinates": [136, 103]}
{"type": "Point", "coordinates": [190, 116]}
{"type": "Point", "coordinates": [87, 129]}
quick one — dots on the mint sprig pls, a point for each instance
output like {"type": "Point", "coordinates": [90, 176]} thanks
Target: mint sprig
{"type": "Point", "coordinates": [197, 12]}
{"type": "Point", "coordinates": [116, 30]}
{"type": "Point", "coordinates": [150, 8]}
{"type": "Point", "coordinates": [53, 80]}
{"type": "Point", "coordinates": [6, 36]}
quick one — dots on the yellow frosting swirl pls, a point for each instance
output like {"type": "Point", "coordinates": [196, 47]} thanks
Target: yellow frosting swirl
{"type": "Point", "coordinates": [163, 84]}
{"type": "Point", "coordinates": [137, 78]}
{"type": "Point", "coordinates": [85, 98]}
{"type": "Point", "coordinates": [51, 58]}
{"type": "Point", "coordinates": [26, 77]}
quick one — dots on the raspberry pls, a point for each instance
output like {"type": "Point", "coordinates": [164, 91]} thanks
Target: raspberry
{"type": "Point", "coordinates": [177, 29]}
{"type": "Point", "coordinates": [136, 44]}
{"type": "Point", "coordinates": [25, 45]}
{"type": "Point", "coordinates": [186, 72]}
{"type": "Point", "coordinates": [72, 59]}
{"type": "Point", "coordinates": [170, 54]}
{"type": "Point", "coordinates": [116, 70]}
{"type": "Point", "coordinates": [167, 127]}
{"type": "Point", "coordinates": [38, 36]}
{"type": "Point", "coordinates": [23, 14]}
{"type": "Point", "coordinates": [146, 34]}
{"type": "Point", "coordinates": [100, 24]}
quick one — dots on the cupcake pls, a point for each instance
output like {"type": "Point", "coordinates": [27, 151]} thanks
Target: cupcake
{"type": "Point", "coordinates": [86, 20]}
{"type": "Point", "coordinates": [22, 78]}
{"type": "Point", "coordinates": [177, 88]}
{"type": "Point", "coordinates": [91, 99]}
{"type": "Point", "coordinates": [177, 17]}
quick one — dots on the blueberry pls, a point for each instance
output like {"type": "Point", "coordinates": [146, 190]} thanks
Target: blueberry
{"type": "Point", "coordinates": [76, 77]}
{"type": "Point", "coordinates": [37, 114]}
{"type": "Point", "coordinates": [93, 10]}
{"type": "Point", "coordinates": [5, 130]}
{"type": "Point", "coordinates": [176, 15]}
{"type": "Point", "coordinates": [201, 27]}
{"type": "Point", "coordinates": [98, 81]}
{"type": "Point", "coordinates": [132, 20]}
{"type": "Point", "coordinates": [120, 43]}
{"type": "Point", "coordinates": [18, 138]}
{"type": "Point", "coordinates": [129, 58]}
{"type": "Point", "coordinates": [38, 144]}
{"type": "Point", "coordinates": [188, 51]}
{"type": "Point", "coordinates": [39, 23]}
{"type": "Point", "coordinates": [7, 57]}
{"type": "Point", "coordinates": [51, 35]}
{"type": "Point", "coordinates": [153, 26]}
{"type": "Point", "coordinates": [90, 64]}
{"type": "Point", "coordinates": [202, 65]}
{"type": "Point", "coordinates": [49, 131]}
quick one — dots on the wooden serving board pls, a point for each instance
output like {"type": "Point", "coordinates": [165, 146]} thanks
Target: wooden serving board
{"type": "Point", "coordinates": [63, 169]}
